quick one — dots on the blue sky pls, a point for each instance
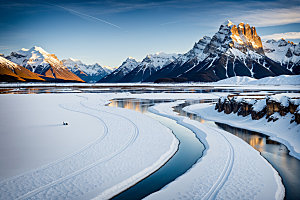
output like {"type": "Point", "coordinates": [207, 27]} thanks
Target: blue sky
{"type": "Point", "coordinates": [109, 31]}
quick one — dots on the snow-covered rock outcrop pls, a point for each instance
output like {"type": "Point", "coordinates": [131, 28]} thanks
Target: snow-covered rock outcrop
{"type": "Point", "coordinates": [270, 107]}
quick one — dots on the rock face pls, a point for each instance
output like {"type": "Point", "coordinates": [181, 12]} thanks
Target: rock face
{"type": "Point", "coordinates": [245, 38]}
{"type": "Point", "coordinates": [297, 117]}
{"type": "Point", "coordinates": [88, 73]}
{"type": "Point", "coordinates": [46, 65]}
{"type": "Point", "coordinates": [232, 51]}
{"type": "Point", "coordinates": [11, 72]}
{"type": "Point", "coordinates": [245, 107]}
{"type": "Point", "coordinates": [258, 109]}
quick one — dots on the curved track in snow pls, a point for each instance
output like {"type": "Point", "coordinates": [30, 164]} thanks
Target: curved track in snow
{"type": "Point", "coordinates": [31, 183]}
{"type": "Point", "coordinates": [213, 191]}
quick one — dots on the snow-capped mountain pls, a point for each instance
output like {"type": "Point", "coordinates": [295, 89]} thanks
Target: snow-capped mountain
{"type": "Point", "coordinates": [133, 71]}
{"type": "Point", "coordinates": [285, 53]}
{"type": "Point", "coordinates": [126, 67]}
{"type": "Point", "coordinates": [232, 51]}
{"type": "Point", "coordinates": [149, 65]}
{"type": "Point", "coordinates": [88, 73]}
{"type": "Point", "coordinates": [47, 65]}
{"type": "Point", "coordinates": [11, 72]}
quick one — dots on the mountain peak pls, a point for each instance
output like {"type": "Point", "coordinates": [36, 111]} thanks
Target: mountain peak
{"type": "Point", "coordinates": [36, 48]}
{"type": "Point", "coordinates": [227, 23]}
{"type": "Point", "coordinates": [130, 59]}
{"type": "Point", "coordinates": [245, 37]}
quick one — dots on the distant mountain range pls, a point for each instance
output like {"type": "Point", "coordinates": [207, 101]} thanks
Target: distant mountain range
{"type": "Point", "coordinates": [88, 73]}
{"type": "Point", "coordinates": [133, 71]}
{"type": "Point", "coordinates": [232, 51]}
{"type": "Point", "coordinates": [43, 66]}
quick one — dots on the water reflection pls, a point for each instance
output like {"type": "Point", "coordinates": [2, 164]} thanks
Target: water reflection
{"type": "Point", "coordinates": [132, 105]}
{"type": "Point", "coordinates": [132, 89]}
{"type": "Point", "coordinates": [140, 105]}
{"type": "Point", "coordinates": [190, 150]}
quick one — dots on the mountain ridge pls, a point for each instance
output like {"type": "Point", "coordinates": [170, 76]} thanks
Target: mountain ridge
{"type": "Point", "coordinates": [88, 73]}
{"type": "Point", "coordinates": [47, 65]}
{"type": "Point", "coordinates": [11, 72]}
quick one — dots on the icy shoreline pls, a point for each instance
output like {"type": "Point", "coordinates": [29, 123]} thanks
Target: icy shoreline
{"type": "Point", "coordinates": [281, 130]}
{"type": "Point", "coordinates": [238, 81]}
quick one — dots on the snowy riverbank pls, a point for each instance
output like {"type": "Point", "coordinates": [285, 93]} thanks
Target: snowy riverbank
{"type": "Point", "coordinates": [230, 168]}
{"type": "Point", "coordinates": [281, 130]}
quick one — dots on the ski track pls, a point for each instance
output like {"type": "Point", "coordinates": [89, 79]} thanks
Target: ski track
{"type": "Point", "coordinates": [213, 191]}
{"type": "Point", "coordinates": [16, 188]}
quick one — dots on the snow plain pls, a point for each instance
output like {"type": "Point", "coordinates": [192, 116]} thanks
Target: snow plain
{"type": "Point", "coordinates": [101, 152]}
{"type": "Point", "coordinates": [229, 169]}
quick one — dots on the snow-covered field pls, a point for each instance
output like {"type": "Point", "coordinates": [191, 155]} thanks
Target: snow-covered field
{"type": "Point", "coordinates": [102, 151]}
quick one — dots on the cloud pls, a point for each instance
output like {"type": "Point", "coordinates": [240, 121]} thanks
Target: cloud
{"type": "Point", "coordinates": [277, 36]}
{"type": "Point", "coordinates": [270, 17]}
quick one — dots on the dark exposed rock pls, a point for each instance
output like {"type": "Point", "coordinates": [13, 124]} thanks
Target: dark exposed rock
{"type": "Point", "coordinates": [272, 107]}
{"type": "Point", "coordinates": [227, 107]}
{"type": "Point", "coordinates": [236, 105]}
{"type": "Point", "coordinates": [289, 53]}
{"type": "Point", "coordinates": [245, 108]}
{"type": "Point", "coordinates": [293, 107]}
{"type": "Point", "coordinates": [273, 118]}
{"type": "Point", "coordinates": [220, 103]}
{"type": "Point", "coordinates": [297, 117]}
{"type": "Point", "coordinates": [258, 115]}
{"type": "Point", "coordinates": [283, 110]}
